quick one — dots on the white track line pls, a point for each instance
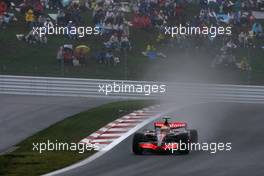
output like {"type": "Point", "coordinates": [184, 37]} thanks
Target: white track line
{"type": "Point", "coordinates": [125, 117]}
{"type": "Point", "coordinates": [132, 114]}
{"type": "Point", "coordinates": [111, 134]}
{"type": "Point", "coordinates": [133, 120]}
{"type": "Point", "coordinates": [95, 135]}
{"type": "Point", "coordinates": [123, 124]}
{"type": "Point", "coordinates": [102, 140]}
{"type": "Point", "coordinates": [85, 140]}
{"type": "Point", "coordinates": [103, 129]}
{"type": "Point", "coordinates": [117, 129]}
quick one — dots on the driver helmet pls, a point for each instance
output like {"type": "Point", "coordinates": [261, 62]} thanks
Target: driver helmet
{"type": "Point", "coordinates": [164, 128]}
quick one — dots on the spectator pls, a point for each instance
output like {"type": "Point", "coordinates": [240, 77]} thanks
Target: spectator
{"type": "Point", "coordinates": [125, 44]}
{"type": "Point", "coordinates": [109, 57]}
{"type": "Point", "coordinates": [2, 21]}
{"type": "Point", "coordinates": [70, 25]}
{"type": "Point", "coordinates": [41, 20]}
{"type": "Point", "coordinates": [257, 29]}
{"type": "Point", "coordinates": [242, 39]}
{"type": "Point", "coordinates": [3, 8]}
{"type": "Point", "coordinates": [55, 4]}
{"type": "Point", "coordinates": [60, 54]}
{"type": "Point", "coordinates": [113, 42]}
{"type": "Point", "coordinates": [48, 22]}
{"type": "Point", "coordinates": [60, 17]}
{"type": "Point", "coordinates": [30, 18]}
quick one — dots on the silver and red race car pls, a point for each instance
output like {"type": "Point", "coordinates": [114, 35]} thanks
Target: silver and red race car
{"type": "Point", "coordinates": [166, 137]}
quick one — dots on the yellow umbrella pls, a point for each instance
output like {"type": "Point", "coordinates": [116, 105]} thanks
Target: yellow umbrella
{"type": "Point", "coordinates": [83, 49]}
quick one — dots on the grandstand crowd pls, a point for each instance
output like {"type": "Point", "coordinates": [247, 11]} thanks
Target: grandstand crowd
{"type": "Point", "coordinates": [115, 18]}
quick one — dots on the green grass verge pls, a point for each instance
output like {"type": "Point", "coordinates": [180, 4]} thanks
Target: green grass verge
{"type": "Point", "coordinates": [25, 161]}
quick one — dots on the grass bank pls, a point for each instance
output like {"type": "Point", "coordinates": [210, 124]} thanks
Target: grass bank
{"type": "Point", "coordinates": [25, 161]}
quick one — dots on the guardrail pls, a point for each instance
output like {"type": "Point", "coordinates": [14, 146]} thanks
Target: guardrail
{"type": "Point", "coordinates": [76, 87]}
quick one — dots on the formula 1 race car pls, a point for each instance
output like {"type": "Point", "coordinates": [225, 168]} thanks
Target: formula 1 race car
{"type": "Point", "coordinates": [166, 137]}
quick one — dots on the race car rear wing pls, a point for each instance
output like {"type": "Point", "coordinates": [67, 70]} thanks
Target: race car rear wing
{"type": "Point", "coordinates": [171, 124]}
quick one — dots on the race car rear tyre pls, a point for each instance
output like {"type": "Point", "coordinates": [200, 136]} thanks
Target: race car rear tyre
{"type": "Point", "coordinates": [184, 144]}
{"type": "Point", "coordinates": [193, 136]}
{"type": "Point", "coordinates": [138, 137]}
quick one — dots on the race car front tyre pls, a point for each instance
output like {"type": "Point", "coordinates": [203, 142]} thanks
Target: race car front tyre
{"type": "Point", "coordinates": [193, 136]}
{"type": "Point", "coordinates": [138, 137]}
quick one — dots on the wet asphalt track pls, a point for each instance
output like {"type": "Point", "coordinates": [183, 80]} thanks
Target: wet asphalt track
{"type": "Point", "coordinates": [22, 116]}
{"type": "Point", "coordinates": [241, 124]}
